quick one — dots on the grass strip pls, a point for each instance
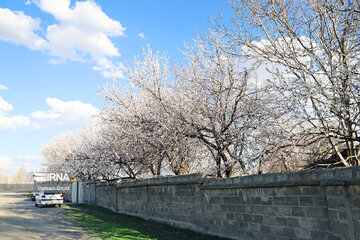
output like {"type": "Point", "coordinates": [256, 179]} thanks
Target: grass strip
{"type": "Point", "coordinates": [109, 225]}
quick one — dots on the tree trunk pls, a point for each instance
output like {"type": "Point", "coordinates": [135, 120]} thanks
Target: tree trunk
{"type": "Point", "coordinates": [218, 166]}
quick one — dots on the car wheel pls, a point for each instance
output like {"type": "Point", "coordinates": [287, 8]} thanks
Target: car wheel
{"type": "Point", "coordinates": [40, 205]}
{"type": "Point", "coordinates": [36, 204]}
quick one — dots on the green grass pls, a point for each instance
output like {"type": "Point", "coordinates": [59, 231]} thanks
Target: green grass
{"type": "Point", "coordinates": [23, 192]}
{"type": "Point", "coordinates": [109, 225]}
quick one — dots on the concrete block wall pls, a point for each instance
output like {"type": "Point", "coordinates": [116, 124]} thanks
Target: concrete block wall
{"type": "Point", "coordinates": [133, 201]}
{"type": "Point", "coordinates": [316, 204]}
{"type": "Point", "coordinates": [298, 212]}
{"type": "Point", "coordinates": [106, 195]}
{"type": "Point", "coordinates": [89, 192]}
{"type": "Point", "coordinates": [175, 200]}
{"type": "Point", "coordinates": [17, 187]}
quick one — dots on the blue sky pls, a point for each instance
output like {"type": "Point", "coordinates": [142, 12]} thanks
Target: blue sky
{"type": "Point", "coordinates": [56, 55]}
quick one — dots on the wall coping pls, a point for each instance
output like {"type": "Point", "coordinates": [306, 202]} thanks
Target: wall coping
{"type": "Point", "coordinates": [315, 177]}
{"type": "Point", "coordinates": [195, 178]}
{"type": "Point", "coordinates": [106, 183]}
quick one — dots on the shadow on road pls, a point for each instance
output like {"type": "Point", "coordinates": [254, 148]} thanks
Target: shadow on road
{"type": "Point", "coordinates": [20, 219]}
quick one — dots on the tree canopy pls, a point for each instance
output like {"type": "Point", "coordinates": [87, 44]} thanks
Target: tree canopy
{"type": "Point", "coordinates": [217, 113]}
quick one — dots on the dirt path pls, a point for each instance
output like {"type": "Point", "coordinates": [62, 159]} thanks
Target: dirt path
{"type": "Point", "coordinates": [20, 220]}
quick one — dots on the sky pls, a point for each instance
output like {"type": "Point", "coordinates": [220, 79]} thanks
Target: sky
{"type": "Point", "coordinates": [57, 54]}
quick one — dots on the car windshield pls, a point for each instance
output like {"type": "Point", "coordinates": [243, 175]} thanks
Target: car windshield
{"type": "Point", "coordinates": [51, 193]}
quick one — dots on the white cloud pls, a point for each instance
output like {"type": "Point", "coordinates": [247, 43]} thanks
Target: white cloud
{"type": "Point", "coordinates": [110, 70]}
{"type": "Point", "coordinates": [12, 163]}
{"type": "Point", "coordinates": [63, 113]}
{"type": "Point", "coordinates": [3, 87]}
{"type": "Point", "coordinates": [5, 106]}
{"type": "Point", "coordinates": [28, 158]}
{"type": "Point", "coordinates": [45, 115]}
{"type": "Point", "coordinates": [5, 162]}
{"type": "Point", "coordinates": [11, 122]}
{"type": "Point", "coordinates": [60, 114]}
{"type": "Point", "coordinates": [19, 28]}
{"type": "Point", "coordinates": [14, 122]}
{"type": "Point", "coordinates": [81, 34]}
{"type": "Point", "coordinates": [142, 35]}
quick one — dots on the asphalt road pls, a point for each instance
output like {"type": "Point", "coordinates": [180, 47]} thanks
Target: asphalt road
{"type": "Point", "coordinates": [20, 220]}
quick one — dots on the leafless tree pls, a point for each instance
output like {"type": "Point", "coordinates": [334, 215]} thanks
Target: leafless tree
{"type": "Point", "coordinates": [211, 99]}
{"type": "Point", "coordinates": [313, 48]}
{"type": "Point", "coordinates": [20, 175]}
{"type": "Point", "coordinates": [226, 107]}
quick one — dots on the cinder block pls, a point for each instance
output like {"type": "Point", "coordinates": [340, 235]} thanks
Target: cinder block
{"type": "Point", "coordinates": [258, 219]}
{"type": "Point", "coordinates": [315, 224]}
{"type": "Point", "coordinates": [269, 220]}
{"type": "Point", "coordinates": [267, 200]}
{"type": "Point", "coordinates": [293, 222]}
{"type": "Point", "coordinates": [230, 216]}
{"type": "Point", "coordinates": [284, 211]}
{"type": "Point", "coordinates": [319, 213]}
{"type": "Point", "coordinates": [298, 212]}
{"type": "Point", "coordinates": [281, 221]}
{"type": "Point", "coordinates": [289, 232]}
{"type": "Point", "coordinates": [341, 228]}
{"type": "Point", "coordinates": [306, 201]}
{"type": "Point", "coordinates": [318, 235]}
{"type": "Point", "coordinates": [302, 233]}
{"type": "Point", "coordinates": [265, 229]}
{"type": "Point", "coordinates": [289, 191]}
{"type": "Point", "coordinates": [279, 200]}
{"type": "Point", "coordinates": [293, 201]}
{"type": "Point", "coordinates": [310, 190]}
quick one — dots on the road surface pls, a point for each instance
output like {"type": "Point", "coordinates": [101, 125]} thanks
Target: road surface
{"type": "Point", "coordinates": [20, 220]}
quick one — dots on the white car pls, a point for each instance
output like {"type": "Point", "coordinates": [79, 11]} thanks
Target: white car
{"type": "Point", "coordinates": [49, 198]}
